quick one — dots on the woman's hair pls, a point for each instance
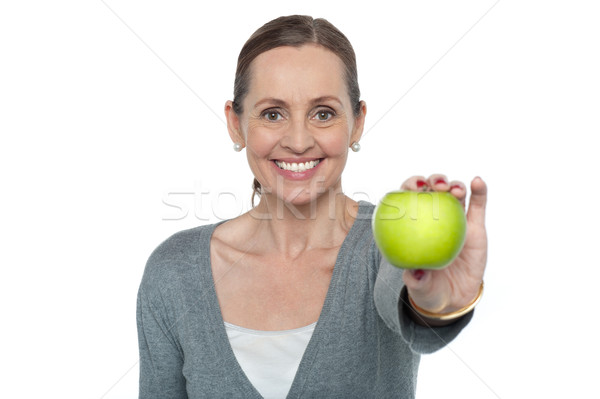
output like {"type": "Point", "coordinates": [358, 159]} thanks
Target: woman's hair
{"type": "Point", "coordinates": [294, 30]}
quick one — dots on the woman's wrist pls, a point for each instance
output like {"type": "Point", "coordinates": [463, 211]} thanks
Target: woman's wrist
{"type": "Point", "coordinates": [429, 319]}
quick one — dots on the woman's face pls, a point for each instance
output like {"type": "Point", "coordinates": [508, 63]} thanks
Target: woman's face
{"type": "Point", "coordinates": [297, 123]}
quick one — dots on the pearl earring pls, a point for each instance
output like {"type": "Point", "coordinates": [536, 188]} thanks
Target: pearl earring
{"type": "Point", "coordinates": [355, 147]}
{"type": "Point", "coordinates": [237, 147]}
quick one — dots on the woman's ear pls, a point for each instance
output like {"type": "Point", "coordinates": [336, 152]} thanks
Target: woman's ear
{"type": "Point", "coordinates": [359, 124]}
{"type": "Point", "coordinates": [233, 124]}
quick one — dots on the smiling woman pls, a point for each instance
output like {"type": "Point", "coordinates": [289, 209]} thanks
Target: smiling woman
{"type": "Point", "coordinates": [293, 298]}
{"type": "Point", "coordinates": [295, 31]}
{"type": "Point", "coordinates": [297, 112]}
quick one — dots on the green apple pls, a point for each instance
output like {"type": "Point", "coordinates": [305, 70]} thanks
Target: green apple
{"type": "Point", "coordinates": [419, 230]}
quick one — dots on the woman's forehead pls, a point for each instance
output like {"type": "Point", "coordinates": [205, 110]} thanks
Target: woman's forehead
{"type": "Point", "coordinates": [296, 74]}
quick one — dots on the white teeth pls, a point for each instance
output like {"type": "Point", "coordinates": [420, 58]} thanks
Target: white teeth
{"type": "Point", "coordinates": [297, 167]}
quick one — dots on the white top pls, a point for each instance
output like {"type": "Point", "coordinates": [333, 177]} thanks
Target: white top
{"type": "Point", "coordinates": [269, 359]}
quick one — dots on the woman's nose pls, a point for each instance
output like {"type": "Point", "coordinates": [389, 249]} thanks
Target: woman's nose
{"type": "Point", "coordinates": [298, 137]}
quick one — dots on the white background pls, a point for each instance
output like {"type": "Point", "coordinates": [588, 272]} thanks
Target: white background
{"type": "Point", "coordinates": [105, 115]}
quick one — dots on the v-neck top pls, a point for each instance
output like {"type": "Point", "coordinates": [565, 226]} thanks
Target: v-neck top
{"type": "Point", "coordinates": [363, 345]}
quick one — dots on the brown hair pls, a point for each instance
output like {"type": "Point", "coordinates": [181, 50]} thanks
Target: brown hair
{"type": "Point", "coordinates": [294, 30]}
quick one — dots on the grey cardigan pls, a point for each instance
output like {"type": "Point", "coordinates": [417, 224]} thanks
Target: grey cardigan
{"type": "Point", "coordinates": [364, 345]}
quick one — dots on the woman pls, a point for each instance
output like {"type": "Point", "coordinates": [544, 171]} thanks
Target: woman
{"type": "Point", "coordinates": [293, 298]}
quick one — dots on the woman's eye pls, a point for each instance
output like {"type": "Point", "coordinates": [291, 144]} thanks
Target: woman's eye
{"type": "Point", "coordinates": [324, 115]}
{"type": "Point", "coordinates": [272, 115]}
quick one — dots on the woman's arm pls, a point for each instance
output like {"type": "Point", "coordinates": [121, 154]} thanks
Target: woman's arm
{"type": "Point", "coordinates": [443, 291]}
{"type": "Point", "coordinates": [393, 306]}
{"type": "Point", "coordinates": [161, 361]}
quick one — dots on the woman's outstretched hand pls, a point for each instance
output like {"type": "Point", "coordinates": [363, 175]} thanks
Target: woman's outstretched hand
{"type": "Point", "coordinates": [457, 285]}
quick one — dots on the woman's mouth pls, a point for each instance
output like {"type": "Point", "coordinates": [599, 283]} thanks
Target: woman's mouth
{"type": "Point", "coordinates": [297, 166]}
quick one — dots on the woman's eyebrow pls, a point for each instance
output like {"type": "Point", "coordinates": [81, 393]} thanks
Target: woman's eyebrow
{"type": "Point", "coordinates": [326, 98]}
{"type": "Point", "coordinates": [280, 103]}
{"type": "Point", "coordinates": [271, 100]}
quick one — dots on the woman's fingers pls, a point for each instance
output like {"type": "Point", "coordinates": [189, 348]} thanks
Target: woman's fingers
{"type": "Point", "coordinates": [477, 202]}
{"type": "Point", "coordinates": [415, 183]}
{"type": "Point", "coordinates": [436, 182]}
{"type": "Point", "coordinates": [459, 190]}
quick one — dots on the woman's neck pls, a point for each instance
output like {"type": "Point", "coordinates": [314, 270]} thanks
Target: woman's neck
{"type": "Point", "coordinates": [289, 229]}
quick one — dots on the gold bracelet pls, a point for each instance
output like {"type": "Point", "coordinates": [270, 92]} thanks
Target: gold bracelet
{"type": "Point", "coordinates": [448, 316]}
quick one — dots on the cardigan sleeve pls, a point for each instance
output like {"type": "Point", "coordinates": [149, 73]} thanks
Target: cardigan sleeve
{"type": "Point", "coordinates": [390, 304]}
{"type": "Point", "coordinates": [161, 359]}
